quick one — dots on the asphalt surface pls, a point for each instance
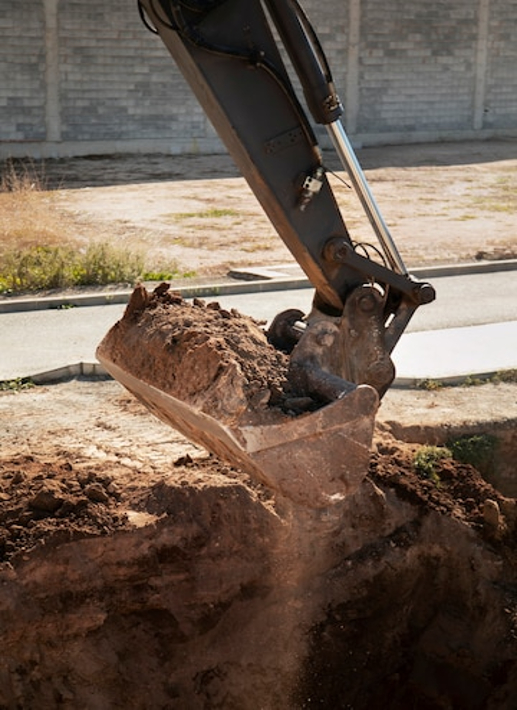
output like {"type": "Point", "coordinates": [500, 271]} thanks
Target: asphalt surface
{"type": "Point", "coordinates": [471, 329]}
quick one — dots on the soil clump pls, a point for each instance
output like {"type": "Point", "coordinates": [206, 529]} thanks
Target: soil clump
{"type": "Point", "coordinates": [54, 502]}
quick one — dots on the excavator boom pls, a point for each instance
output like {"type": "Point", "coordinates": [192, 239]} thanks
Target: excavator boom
{"type": "Point", "coordinates": [229, 57]}
{"type": "Point", "coordinates": [229, 54]}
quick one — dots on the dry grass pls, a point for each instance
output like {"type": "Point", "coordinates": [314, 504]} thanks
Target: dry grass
{"type": "Point", "coordinates": [438, 213]}
{"type": "Point", "coordinates": [29, 217]}
{"type": "Point", "coordinates": [37, 251]}
{"type": "Point", "coordinates": [501, 196]}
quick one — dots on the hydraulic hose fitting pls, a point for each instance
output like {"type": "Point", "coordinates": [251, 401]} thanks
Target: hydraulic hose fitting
{"type": "Point", "coordinates": [336, 250]}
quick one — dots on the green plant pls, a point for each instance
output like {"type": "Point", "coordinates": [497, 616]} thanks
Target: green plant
{"type": "Point", "coordinates": [426, 458]}
{"type": "Point", "coordinates": [429, 385]}
{"type": "Point", "coordinates": [507, 376]}
{"type": "Point", "coordinates": [473, 381]}
{"type": "Point", "coordinates": [211, 213]}
{"type": "Point", "coordinates": [16, 385]}
{"type": "Point", "coordinates": [36, 267]}
{"type": "Point", "coordinates": [167, 275]}
{"type": "Point", "coordinates": [477, 450]}
{"type": "Point", "coordinates": [33, 268]}
{"type": "Point", "coordinates": [104, 264]}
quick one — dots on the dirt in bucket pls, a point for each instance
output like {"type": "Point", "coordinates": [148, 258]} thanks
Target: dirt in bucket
{"type": "Point", "coordinates": [217, 360]}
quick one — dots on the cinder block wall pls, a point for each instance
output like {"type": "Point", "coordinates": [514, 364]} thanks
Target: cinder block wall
{"type": "Point", "coordinates": [500, 105]}
{"type": "Point", "coordinates": [417, 65]}
{"type": "Point", "coordinates": [22, 71]}
{"type": "Point", "coordinates": [85, 76]}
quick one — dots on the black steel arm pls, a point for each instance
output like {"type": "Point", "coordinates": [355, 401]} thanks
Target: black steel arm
{"type": "Point", "coordinates": [227, 52]}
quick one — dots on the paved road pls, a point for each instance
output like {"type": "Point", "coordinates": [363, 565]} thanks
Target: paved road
{"type": "Point", "coordinates": [448, 338]}
{"type": "Point", "coordinates": [473, 299]}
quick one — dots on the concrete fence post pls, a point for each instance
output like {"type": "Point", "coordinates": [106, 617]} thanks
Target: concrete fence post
{"type": "Point", "coordinates": [52, 107]}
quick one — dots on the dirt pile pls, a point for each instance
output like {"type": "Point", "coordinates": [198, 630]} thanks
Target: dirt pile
{"type": "Point", "coordinates": [53, 503]}
{"type": "Point", "coordinates": [202, 590]}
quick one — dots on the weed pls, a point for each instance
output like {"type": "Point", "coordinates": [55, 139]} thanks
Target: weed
{"type": "Point", "coordinates": [16, 385]}
{"type": "Point", "coordinates": [104, 264]}
{"type": "Point", "coordinates": [259, 246]}
{"type": "Point", "coordinates": [167, 275]}
{"type": "Point", "coordinates": [426, 459]}
{"type": "Point", "coordinates": [21, 176]}
{"type": "Point", "coordinates": [35, 268]}
{"type": "Point", "coordinates": [29, 215]}
{"type": "Point", "coordinates": [500, 196]}
{"type": "Point", "coordinates": [501, 377]}
{"type": "Point", "coordinates": [507, 376]}
{"type": "Point", "coordinates": [212, 213]}
{"type": "Point", "coordinates": [473, 381]}
{"type": "Point", "coordinates": [189, 274]}
{"type": "Point", "coordinates": [429, 385]}
{"type": "Point", "coordinates": [477, 450]}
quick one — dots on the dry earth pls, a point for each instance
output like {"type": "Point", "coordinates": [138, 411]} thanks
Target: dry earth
{"type": "Point", "coordinates": [443, 203]}
{"type": "Point", "coordinates": [138, 573]}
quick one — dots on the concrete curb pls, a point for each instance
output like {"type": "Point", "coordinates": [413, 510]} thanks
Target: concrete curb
{"type": "Point", "coordinates": [411, 383]}
{"type": "Point", "coordinates": [19, 305]}
{"type": "Point", "coordinates": [260, 279]}
{"type": "Point", "coordinates": [88, 370]}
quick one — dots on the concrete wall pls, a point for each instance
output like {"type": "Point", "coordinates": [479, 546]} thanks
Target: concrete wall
{"type": "Point", "coordinates": [85, 76]}
{"type": "Point", "coordinates": [22, 71]}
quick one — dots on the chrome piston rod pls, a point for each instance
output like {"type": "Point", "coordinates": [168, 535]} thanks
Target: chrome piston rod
{"type": "Point", "coordinates": [358, 179]}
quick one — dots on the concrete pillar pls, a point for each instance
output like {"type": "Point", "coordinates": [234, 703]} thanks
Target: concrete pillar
{"type": "Point", "coordinates": [52, 108]}
{"type": "Point", "coordinates": [481, 64]}
{"type": "Point", "coordinates": [352, 72]}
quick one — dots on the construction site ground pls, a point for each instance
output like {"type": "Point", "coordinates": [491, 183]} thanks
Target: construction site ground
{"type": "Point", "coordinates": [444, 203]}
{"type": "Point", "coordinates": [140, 573]}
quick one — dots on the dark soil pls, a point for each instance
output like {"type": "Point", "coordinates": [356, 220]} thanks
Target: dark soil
{"type": "Point", "coordinates": [454, 489]}
{"type": "Point", "coordinates": [198, 590]}
{"type": "Point", "coordinates": [54, 502]}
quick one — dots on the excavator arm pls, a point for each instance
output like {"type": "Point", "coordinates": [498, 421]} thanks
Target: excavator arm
{"type": "Point", "coordinates": [339, 354]}
{"type": "Point", "coordinates": [228, 52]}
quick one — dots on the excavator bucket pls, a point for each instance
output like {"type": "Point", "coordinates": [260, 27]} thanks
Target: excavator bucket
{"type": "Point", "coordinates": [213, 376]}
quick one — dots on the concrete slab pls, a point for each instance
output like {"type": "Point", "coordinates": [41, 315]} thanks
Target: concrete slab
{"type": "Point", "coordinates": [37, 342]}
{"type": "Point", "coordinates": [453, 354]}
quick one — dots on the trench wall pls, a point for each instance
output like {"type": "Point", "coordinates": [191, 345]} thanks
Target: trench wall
{"type": "Point", "coordinates": [85, 76]}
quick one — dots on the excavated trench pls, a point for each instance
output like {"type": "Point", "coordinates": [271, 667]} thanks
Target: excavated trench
{"type": "Point", "coordinates": [198, 588]}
